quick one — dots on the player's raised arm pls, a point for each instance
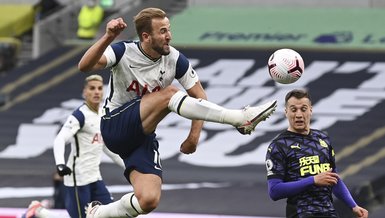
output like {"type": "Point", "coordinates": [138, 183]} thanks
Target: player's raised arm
{"type": "Point", "coordinates": [94, 59]}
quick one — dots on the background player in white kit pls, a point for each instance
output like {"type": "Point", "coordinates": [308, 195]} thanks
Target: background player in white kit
{"type": "Point", "coordinates": [141, 95]}
{"type": "Point", "coordinates": [82, 178]}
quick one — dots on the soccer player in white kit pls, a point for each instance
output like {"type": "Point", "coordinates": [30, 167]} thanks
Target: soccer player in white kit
{"type": "Point", "coordinates": [141, 95]}
{"type": "Point", "coordinates": [82, 178]}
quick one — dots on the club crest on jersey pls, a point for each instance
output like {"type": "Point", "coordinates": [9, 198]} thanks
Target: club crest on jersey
{"type": "Point", "coordinates": [323, 143]}
{"type": "Point", "coordinates": [161, 75]}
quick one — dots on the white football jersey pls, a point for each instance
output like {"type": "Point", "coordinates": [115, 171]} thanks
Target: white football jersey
{"type": "Point", "coordinates": [83, 126]}
{"type": "Point", "coordinates": [134, 74]}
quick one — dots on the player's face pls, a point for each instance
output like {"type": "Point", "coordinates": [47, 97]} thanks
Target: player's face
{"type": "Point", "coordinates": [161, 36]}
{"type": "Point", "coordinates": [93, 92]}
{"type": "Point", "coordinates": [298, 112]}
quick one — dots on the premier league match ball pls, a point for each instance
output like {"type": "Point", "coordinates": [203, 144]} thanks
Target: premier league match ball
{"type": "Point", "coordinates": [285, 66]}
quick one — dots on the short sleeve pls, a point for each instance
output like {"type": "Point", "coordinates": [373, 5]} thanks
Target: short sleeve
{"type": "Point", "coordinates": [114, 53]}
{"type": "Point", "coordinates": [110, 56]}
{"type": "Point", "coordinates": [72, 125]}
{"type": "Point", "coordinates": [185, 74]}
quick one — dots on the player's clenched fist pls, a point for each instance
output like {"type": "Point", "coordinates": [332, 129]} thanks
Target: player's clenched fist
{"type": "Point", "coordinates": [63, 170]}
{"type": "Point", "coordinates": [115, 26]}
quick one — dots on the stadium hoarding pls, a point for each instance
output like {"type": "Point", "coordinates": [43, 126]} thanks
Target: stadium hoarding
{"type": "Point", "coordinates": [316, 28]}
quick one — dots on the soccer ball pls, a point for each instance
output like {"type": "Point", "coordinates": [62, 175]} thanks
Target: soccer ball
{"type": "Point", "coordinates": [285, 66]}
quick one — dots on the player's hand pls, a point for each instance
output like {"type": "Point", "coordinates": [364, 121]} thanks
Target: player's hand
{"type": "Point", "coordinates": [327, 178]}
{"type": "Point", "coordinates": [360, 212]}
{"type": "Point", "coordinates": [63, 170]}
{"type": "Point", "coordinates": [188, 147]}
{"type": "Point", "coordinates": [115, 27]}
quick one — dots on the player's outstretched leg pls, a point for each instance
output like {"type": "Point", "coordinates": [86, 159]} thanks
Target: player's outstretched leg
{"type": "Point", "coordinates": [244, 120]}
{"type": "Point", "coordinates": [254, 115]}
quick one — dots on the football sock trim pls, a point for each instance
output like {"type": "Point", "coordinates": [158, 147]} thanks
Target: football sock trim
{"type": "Point", "coordinates": [132, 204]}
{"type": "Point", "coordinates": [180, 104]}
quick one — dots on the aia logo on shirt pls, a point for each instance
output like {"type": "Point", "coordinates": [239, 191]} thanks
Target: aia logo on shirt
{"type": "Point", "coordinates": [97, 139]}
{"type": "Point", "coordinates": [135, 87]}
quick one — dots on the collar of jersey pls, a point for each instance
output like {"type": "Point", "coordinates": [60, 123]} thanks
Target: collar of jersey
{"type": "Point", "coordinates": [144, 53]}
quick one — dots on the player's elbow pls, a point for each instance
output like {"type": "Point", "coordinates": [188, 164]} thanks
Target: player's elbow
{"type": "Point", "coordinates": [83, 68]}
{"type": "Point", "coordinates": [273, 195]}
{"type": "Point", "coordinates": [86, 65]}
{"type": "Point", "coordinates": [274, 191]}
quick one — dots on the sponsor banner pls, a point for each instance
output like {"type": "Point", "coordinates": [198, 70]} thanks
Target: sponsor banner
{"type": "Point", "coordinates": [344, 88]}
{"type": "Point", "coordinates": [332, 28]}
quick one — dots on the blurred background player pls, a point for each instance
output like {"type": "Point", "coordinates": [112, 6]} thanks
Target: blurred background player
{"type": "Point", "coordinates": [37, 209]}
{"type": "Point", "coordinates": [89, 19]}
{"type": "Point", "coordinates": [82, 178]}
{"type": "Point", "coordinates": [301, 165]}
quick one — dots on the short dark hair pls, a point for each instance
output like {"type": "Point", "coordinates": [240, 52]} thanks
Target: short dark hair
{"type": "Point", "coordinates": [143, 20]}
{"type": "Point", "coordinates": [298, 94]}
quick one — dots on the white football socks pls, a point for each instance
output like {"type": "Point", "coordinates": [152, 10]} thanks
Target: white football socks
{"type": "Point", "coordinates": [128, 205]}
{"type": "Point", "coordinates": [131, 203]}
{"type": "Point", "coordinates": [42, 212]}
{"type": "Point", "coordinates": [200, 109]}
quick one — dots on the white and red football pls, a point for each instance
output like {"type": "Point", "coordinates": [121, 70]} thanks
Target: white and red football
{"type": "Point", "coordinates": [285, 66]}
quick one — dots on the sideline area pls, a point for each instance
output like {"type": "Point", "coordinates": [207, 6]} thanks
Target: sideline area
{"type": "Point", "coordinates": [18, 212]}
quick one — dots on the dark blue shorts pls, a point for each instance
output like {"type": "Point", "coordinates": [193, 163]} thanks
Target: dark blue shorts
{"type": "Point", "coordinates": [77, 198]}
{"type": "Point", "coordinates": [122, 129]}
{"type": "Point", "coordinates": [122, 133]}
{"type": "Point", "coordinates": [145, 158]}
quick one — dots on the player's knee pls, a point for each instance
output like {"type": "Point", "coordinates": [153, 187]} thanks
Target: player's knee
{"type": "Point", "coordinates": [148, 202]}
{"type": "Point", "coordinates": [170, 91]}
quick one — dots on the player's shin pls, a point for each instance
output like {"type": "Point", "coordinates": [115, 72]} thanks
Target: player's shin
{"type": "Point", "coordinates": [200, 109]}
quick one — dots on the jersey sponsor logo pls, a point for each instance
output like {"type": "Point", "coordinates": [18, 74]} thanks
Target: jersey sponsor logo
{"type": "Point", "coordinates": [314, 169]}
{"type": "Point", "coordinates": [97, 138]}
{"type": "Point", "coordinates": [304, 161]}
{"type": "Point", "coordinates": [135, 87]}
{"type": "Point", "coordinates": [311, 165]}
{"type": "Point", "coordinates": [132, 66]}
